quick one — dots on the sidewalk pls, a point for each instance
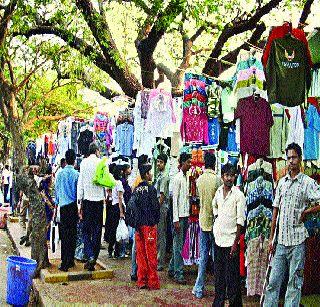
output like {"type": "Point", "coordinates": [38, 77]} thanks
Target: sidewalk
{"type": "Point", "coordinates": [120, 290]}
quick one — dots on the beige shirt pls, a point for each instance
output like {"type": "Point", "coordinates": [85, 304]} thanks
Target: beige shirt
{"type": "Point", "coordinates": [207, 185]}
{"type": "Point", "coordinates": [230, 212]}
{"type": "Point", "coordinates": [180, 196]}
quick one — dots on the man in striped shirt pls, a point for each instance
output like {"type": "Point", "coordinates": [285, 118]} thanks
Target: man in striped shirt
{"type": "Point", "coordinates": [294, 192]}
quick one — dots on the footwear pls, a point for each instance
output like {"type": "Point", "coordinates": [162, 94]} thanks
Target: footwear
{"type": "Point", "coordinates": [71, 265]}
{"type": "Point", "coordinates": [23, 240]}
{"type": "Point", "coordinates": [62, 268]}
{"type": "Point", "coordinates": [28, 243]}
{"type": "Point", "coordinates": [134, 277]}
{"type": "Point", "coordinates": [160, 268]}
{"type": "Point", "coordinates": [143, 287]}
{"type": "Point", "coordinates": [197, 294]}
{"type": "Point", "coordinates": [170, 274]}
{"type": "Point", "coordinates": [89, 266]}
{"type": "Point", "coordinates": [110, 255]}
{"type": "Point", "coordinates": [180, 281]}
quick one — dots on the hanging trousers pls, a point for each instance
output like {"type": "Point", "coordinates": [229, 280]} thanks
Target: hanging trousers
{"type": "Point", "coordinates": [227, 277]}
{"type": "Point", "coordinates": [68, 232]}
{"type": "Point", "coordinates": [146, 244]}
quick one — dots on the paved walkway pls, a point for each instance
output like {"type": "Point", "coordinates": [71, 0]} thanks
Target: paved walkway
{"type": "Point", "coordinates": [5, 251]}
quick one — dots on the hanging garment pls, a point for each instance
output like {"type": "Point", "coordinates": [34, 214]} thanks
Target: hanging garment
{"type": "Point", "coordinates": [214, 98]}
{"type": "Point", "coordinates": [124, 139]}
{"type": "Point", "coordinates": [84, 140]}
{"type": "Point", "coordinates": [228, 104]}
{"type": "Point", "coordinates": [315, 83]}
{"type": "Point", "coordinates": [288, 73]}
{"type": "Point", "coordinates": [214, 131]}
{"type": "Point", "coordinates": [254, 130]}
{"type": "Point", "coordinates": [191, 248]}
{"type": "Point", "coordinates": [296, 127]}
{"type": "Point", "coordinates": [312, 134]}
{"type": "Point", "coordinates": [194, 127]}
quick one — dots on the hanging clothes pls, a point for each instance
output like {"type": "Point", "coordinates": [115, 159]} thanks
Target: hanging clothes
{"type": "Point", "coordinates": [84, 140]}
{"type": "Point", "coordinates": [124, 139]}
{"type": "Point", "coordinates": [296, 127]}
{"type": "Point", "coordinates": [312, 134]}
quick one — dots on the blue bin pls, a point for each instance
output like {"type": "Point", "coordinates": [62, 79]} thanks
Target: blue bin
{"type": "Point", "coordinates": [20, 272]}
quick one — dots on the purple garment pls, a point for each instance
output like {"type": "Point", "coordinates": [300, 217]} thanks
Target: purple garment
{"type": "Point", "coordinates": [145, 104]}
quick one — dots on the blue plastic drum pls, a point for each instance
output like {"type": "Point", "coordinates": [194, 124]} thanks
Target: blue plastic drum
{"type": "Point", "coordinates": [20, 272]}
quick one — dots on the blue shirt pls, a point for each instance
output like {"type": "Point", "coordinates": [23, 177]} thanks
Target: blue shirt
{"type": "Point", "coordinates": [214, 131]}
{"type": "Point", "coordinates": [66, 186]}
{"type": "Point", "coordinates": [311, 134]}
{"type": "Point", "coordinates": [124, 139]}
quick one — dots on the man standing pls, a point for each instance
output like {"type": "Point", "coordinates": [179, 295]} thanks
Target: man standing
{"type": "Point", "coordinates": [229, 217]}
{"type": "Point", "coordinates": [90, 206]}
{"type": "Point", "coordinates": [66, 199]}
{"type": "Point", "coordinates": [207, 185]}
{"type": "Point", "coordinates": [181, 212]}
{"type": "Point", "coordinates": [6, 181]}
{"type": "Point", "coordinates": [294, 192]}
{"type": "Point", "coordinates": [162, 186]}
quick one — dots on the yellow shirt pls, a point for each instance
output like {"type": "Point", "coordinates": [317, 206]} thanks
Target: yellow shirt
{"type": "Point", "coordinates": [207, 185]}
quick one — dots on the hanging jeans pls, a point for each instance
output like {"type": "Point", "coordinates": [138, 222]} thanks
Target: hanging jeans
{"type": "Point", "coordinates": [92, 227]}
{"type": "Point", "coordinates": [227, 277]}
{"type": "Point", "coordinates": [206, 247]}
{"type": "Point", "coordinates": [286, 258]}
{"type": "Point", "coordinates": [146, 244]}
{"type": "Point", "coordinates": [176, 262]}
{"type": "Point", "coordinates": [68, 230]}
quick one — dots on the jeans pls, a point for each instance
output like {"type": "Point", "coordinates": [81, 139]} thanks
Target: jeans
{"type": "Point", "coordinates": [176, 262]}
{"type": "Point", "coordinates": [92, 227]}
{"type": "Point", "coordinates": [286, 258]}
{"type": "Point", "coordinates": [134, 267]}
{"type": "Point", "coordinates": [206, 246]}
{"type": "Point", "coordinates": [227, 277]}
{"type": "Point", "coordinates": [162, 236]}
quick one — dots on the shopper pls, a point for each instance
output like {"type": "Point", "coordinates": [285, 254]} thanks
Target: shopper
{"type": "Point", "coordinates": [66, 199]}
{"type": "Point", "coordinates": [181, 209]}
{"type": "Point", "coordinates": [207, 185]}
{"type": "Point", "coordinates": [229, 214]}
{"type": "Point", "coordinates": [115, 213]}
{"type": "Point", "coordinates": [294, 192]}
{"type": "Point", "coordinates": [6, 182]}
{"type": "Point", "coordinates": [148, 214]}
{"type": "Point", "coordinates": [90, 206]}
{"type": "Point", "coordinates": [162, 187]}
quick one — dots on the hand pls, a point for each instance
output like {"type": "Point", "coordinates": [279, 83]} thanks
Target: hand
{"type": "Point", "coordinates": [80, 214]}
{"type": "Point", "coordinates": [176, 226]}
{"type": "Point", "coordinates": [303, 217]}
{"type": "Point", "coordinates": [234, 249]}
{"type": "Point", "coordinates": [270, 247]}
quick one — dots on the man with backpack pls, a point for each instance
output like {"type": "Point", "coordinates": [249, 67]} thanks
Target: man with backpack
{"type": "Point", "coordinates": [143, 213]}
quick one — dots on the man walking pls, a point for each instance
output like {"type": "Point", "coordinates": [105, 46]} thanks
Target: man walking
{"type": "Point", "coordinates": [162, 187]}
{"type": "Point", "coordinates": [207, 185]}
{"type": "Point", "coordinates": [294, 192]}
{"type": "Point", "coordinates": [229, 214]}
{"type": "Point", "coordinates": [181, 212]}
{"type": "Point", "coordinates": [66, 198]}
{"type": "Point", "coordinates": [90, 206]}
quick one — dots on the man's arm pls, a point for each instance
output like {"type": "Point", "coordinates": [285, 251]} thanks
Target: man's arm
{"type": "Point", "coordinates": [234, 247]}
{"type": "Point", "coordinates": [175, 204]}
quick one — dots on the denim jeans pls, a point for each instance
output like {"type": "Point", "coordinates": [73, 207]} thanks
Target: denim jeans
{"type": "Point", "coordinates": [162, 236]}
{"type": "Point", "coordinates": [134, 267]}
{"type": "Point", "coordinates": [92, 227]}
{"type": "Point", "coordinates": [206, 246]}
{"type": "Point", "coordinates": [286, 258]}
{"type": "Point", "coordinates": [176, 262]}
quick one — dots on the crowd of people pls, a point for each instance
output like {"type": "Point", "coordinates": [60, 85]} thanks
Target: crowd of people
{"type": "Point", "coordinates": [159, 201]}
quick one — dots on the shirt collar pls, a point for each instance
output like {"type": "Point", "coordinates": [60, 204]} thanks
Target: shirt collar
{"type": "Point", "coordinates": [298, 177]}
{"type": "Point", "coordinates": [211, 171]}
{"type": "Point", "coordinates": [69, 166]}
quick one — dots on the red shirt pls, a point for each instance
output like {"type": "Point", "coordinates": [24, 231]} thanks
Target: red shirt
{"type": "Point", "coordinates": [255, 123]}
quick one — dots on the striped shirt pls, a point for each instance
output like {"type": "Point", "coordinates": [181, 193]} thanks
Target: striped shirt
{"type": "Point", "coordinates": [292, 197]}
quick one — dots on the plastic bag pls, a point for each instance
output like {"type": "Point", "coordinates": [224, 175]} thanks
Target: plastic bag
{"type": "Point", "coordinates": [122, 231]}
{"type": "Point", "coordinates": [102, 176]}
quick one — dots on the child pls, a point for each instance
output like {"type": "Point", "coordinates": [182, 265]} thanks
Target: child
{"type": "Point", "coordinates": [148, 215]}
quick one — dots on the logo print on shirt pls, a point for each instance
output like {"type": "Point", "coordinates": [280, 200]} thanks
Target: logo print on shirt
{"type": "Point", "coordinates": [289, 57]}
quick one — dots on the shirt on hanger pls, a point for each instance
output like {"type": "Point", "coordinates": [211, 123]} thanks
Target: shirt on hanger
{"type": "Point", "coordinates": [312, 134]}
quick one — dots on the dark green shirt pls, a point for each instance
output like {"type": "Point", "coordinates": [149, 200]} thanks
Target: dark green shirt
{"type": "Point", "coordinates": [288, 72]}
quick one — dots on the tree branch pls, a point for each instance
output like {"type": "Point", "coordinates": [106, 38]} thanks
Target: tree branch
{"type": "Point", "coordinates": [305, 12]}
{"type": "Point", "coordinates": [10, 71]}
{"type": "Point", "coordinates": [8, 12]}
{"type": "Point", "coordinates": [236, 27]}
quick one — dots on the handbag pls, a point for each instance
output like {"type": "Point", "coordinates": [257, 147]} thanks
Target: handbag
{"type": "Point", "coordinates": [122, 231]}
{"type": "Point", "coordinates": [102, 176]}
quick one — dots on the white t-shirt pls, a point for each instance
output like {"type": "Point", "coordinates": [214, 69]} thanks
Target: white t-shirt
{"type": "Point", "coordinates": [6, 176]}
{"type": "Point", "coordinates": [115, 192]}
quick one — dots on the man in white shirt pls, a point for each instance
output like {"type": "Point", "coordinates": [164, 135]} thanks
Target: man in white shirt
{"type": "Point", "coordinates": [229, 217]}
{"type": "Point", "coordinates": [181, 212]}
{"type": "Point", "coordinates": [6, 181]}
{"type": "Point", "coordinates": [90, 205]}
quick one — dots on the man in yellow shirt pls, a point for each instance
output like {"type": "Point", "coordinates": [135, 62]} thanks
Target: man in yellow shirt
{"type": "Point", "coordinates": [207, 185]}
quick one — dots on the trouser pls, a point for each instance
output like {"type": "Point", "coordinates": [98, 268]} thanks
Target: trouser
{"type": "Point", "coordinates": [134, 267]}
{"type": "Point", "coordinates": [206, 247]}
{"type": "Point", "coordinates": [112, 222]}
{"type": "Point", "coordinates": [5, 193]}
{"type": "Point", "coordinates": [68, 226]}
{"type": "Point", "coordinates": [162, 235]}
{"type": "Point", "coordinates": [286, 258]}
{"type": "Point", "coordinates": [92, 227]}
{"type": "Point", "coordinates": [146, 244]}
{"type": "Point", "coordinates": [176, 262]}
{"type": "Point", "coordinates": [227, 277]}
